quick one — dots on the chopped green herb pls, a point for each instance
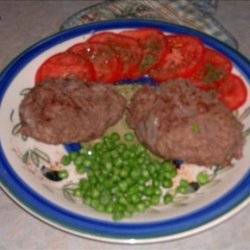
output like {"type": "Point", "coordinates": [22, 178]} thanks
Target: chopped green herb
{"type": "Point", "coordinates": [213, 74]}
{"type": "Point", "coordinates": [147, 62]}
{"type": "Point", "coordinates": [196, 128]}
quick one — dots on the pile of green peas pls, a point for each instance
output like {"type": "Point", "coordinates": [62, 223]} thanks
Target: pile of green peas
{"type": "Point", "coordinates": [121, 177]}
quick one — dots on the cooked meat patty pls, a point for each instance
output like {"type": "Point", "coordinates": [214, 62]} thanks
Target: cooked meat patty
{"type": "Point", "coordinates": [69, 111]}
{"type": "Point", "coordinates": [178, 121]}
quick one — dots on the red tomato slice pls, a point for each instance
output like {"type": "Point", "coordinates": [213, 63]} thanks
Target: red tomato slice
{"type": "Point", "coordinates": [186, 53]}
{"type": "Point", "coordinates": [153, 46]}
{"type": "Point", "coordinates": [232, 91]}
{"type": "Point", "coordinates": [214, 68]}
{"type": "Point", "coordinates": [127, 48]}
{"type": "Point", "coordinates": [106, 63]}
{"type": "Point", "coordinates": [63, 65]}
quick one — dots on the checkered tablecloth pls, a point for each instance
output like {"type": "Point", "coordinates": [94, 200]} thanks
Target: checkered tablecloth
{"type": "Point", "coordinates": [196, 14]}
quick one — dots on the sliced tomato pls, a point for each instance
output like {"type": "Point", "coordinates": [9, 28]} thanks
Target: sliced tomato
{"type": "Point", "coordinates": [214, 68]}
{"type": "Point", "coordinates": [63, 65]}
{"type": "Point", "coordinates": [127, 48]}
{"type": "Point", "coordinates": [232, 91]}
{"type": "Point", "coordinates": [186, 54]}
{"type": "Point", "coordinates": [106, 63]}
{"type": "Point", "coordinates": [153, 46]}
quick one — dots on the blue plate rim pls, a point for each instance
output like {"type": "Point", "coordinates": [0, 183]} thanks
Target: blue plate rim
{"type": "Point", "coordinates": [32, 200]}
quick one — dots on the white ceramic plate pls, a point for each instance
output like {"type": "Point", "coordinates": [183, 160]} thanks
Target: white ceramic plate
{"type": "Point", "coordinates": [22, 161]}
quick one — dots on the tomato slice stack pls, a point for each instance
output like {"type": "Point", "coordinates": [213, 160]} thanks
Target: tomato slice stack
{"type": "Point", "coordinates": [109, 57]}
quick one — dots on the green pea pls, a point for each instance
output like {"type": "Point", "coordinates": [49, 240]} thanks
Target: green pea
{"type": "Point", "coordinates": [80, 169]}
{"type": "Point", "coordinates": [140, 149]}
{"type": "Point", "coordinates": [66, 160]}
{"type": "Point", "coordinates": [129, 137]}
{"type": "Point", "coordinates": [115, 137]}
{"type": "Point", "coordinates": [123, 185]}
{"type": "Point", "coordinates": [78, 160]}
{"type": "Point", "coordinates": [168, 198]}
{"type": "Point", "coordinates": [135, 198]}
{"type": "Point", "coordinates": [106, 198]}
{"type": "Point", "coordinates": [73, 155]}
{"type": "Point", "coordinates": [167, 166]}
{"type": "Point", "coordinates": [167, 183]}
{"type": "Point", "coordinates": [63, 174]}
{"type": "Point", "coordinates": [171, 173]}
{"type": "Point", "coordinates": [148, 191]}
{"type": "Point", "coordinates": [133, 190]}
{"type": "Point", "coordinates": [146, 203]}
{"type": "Point", "coordinates": [83, 151]}
{"type": "Point", "coordinates": [95, 203]}
{"type": "Point", "coordinates": [157, 191]}
{"type": "Point", "coordinates": [97, 147]}
{"type": "Point", "coordinates": [108, 166]}
{"type": "Point", "coordinates": [106, 139]}
{"type": "Point", "coordinates": [184, 183]}
{"type": "Point", "coordinates": [135, 173]}
{"type": "Point", "coordinates": [109, 208]}
{"type": "Point", "coordinates": [121, 147]}
{"type": "Point", "coordinates": [154, 200]}
{"type": "Point", "coordinates": [95, 193]}
{"type": "Point", "coordinates": [140, 207]}
{"type": "Point", "coordinates": [84, 184]}
{"type": "Point", "coordinates": [117, 216]}
{"type": "Point", "coordinates": [86, 162]}
{"type": "Point", "coordinates": [145, 174]}
{"type": "Point", "coordinates": [87, 201]}
{"type": "Point", "coordinates": [122, 200]}
{"type": "Point", "coordinates": [100, 208]}
{"type": "Point", "coordinates": [77, 192]}
{"type": "Point", "coordinates": [124, 173]}
{"type": "Point", "coordinates": [202, 178]}
{"type": "Point", "coordinates": [182, 189]}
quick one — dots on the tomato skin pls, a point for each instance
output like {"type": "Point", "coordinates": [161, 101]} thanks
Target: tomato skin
{"type": "Point", "coordinates": [127, 48]}
{"type": "Point", "coordinates": [232, 91]}
{"type": "Point", "coordinates": [64, 65]}
{"type": "Point", "coordinates": [214, 68]}
{"type": "Point", "coordinates": [186, 54]}
{"type": "Point", "coordinates": [153, 45]}
{"type": "Point", "coordinates": [106, 63]}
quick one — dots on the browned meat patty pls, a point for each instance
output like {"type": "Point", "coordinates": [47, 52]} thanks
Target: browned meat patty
{"type": "Point", "coordinates": [69, 111]}
{"type": "Point", "coordinates": [178, 121]}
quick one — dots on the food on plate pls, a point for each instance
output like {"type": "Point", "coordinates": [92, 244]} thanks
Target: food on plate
{"type": "Point", "coordinates": [154, 48]}
{"type": "Point", "coordinates": [184, 57]}
{"type": "Point", "coordinates": [105, 61]}
{"type": "Point", "coordinates": [65, 64]}
{"type": "Point", "coordinates": [147, 52]}
{"type": "Point", "coordinates": [69, 110]}
{"type": "Point", "coordinates": [127, 48]}
{"type": "Point", "coordinates": [136, 142]}
{"type": "Point", "coordinates": [178, 121]}
{"type": "Point", "coordinates": [121, 177]}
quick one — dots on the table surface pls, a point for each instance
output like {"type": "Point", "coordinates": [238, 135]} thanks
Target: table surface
{"type": "Point", "coordinates": [23, 23]}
